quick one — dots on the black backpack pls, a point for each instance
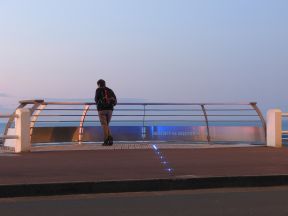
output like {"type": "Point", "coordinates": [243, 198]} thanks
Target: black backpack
{"type": "Point", "coordinates": [107, 98]}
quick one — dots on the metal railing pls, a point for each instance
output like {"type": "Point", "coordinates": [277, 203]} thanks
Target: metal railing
{"type": "Point", "coordinates": [284, 132]}
{"type": "Point", "coordinates": [57, 119]}
{"type": "Point", "coordinates": [5, 136]}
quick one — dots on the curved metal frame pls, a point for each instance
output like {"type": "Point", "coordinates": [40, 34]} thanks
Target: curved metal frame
{"type": "Point", "coordinates": [255, 107]}
{"type": "Point", "coordinates": [207, 123]}
{"type": "Point", "coordinates": [5, 136]}
{"type": "Point", "coordinates": [40, 105]}
{"type": "Point", "coordinates": [22, 105]}
{"type": "Point", "coordinates": [35, 112]}
{"type": "Point", "coordinates": [82, 120]}
{"type": "Point", "coordinates": [11, 120]}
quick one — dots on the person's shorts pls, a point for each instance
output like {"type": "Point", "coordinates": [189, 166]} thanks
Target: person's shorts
{"type": "Point", "coordinates": [105, 116]}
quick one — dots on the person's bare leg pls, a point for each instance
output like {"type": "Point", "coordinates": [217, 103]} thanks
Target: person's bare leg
{"type": "Point", "coordinates": [109, 116]}
{"type": "Point", "coordinates": [106, 130]}
{"type": "Point", "coordinates": [104, 124]}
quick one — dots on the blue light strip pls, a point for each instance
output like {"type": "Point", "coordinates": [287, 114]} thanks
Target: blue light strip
{"type": "Point", "coordinates": [155, 147]}
{"type": "Point", "coordinates": [162, 159]}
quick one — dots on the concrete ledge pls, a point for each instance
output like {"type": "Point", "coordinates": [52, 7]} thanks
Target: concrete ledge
{"type": "Point", "coordinates": [133, 146]}
{"type": "Point", "coordinates": [68, 188]}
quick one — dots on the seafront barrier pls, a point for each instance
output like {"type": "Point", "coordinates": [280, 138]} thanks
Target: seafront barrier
{"type": "Point", "coordinates": [37, 121]}
{"type": "Point", "coordinates": [56, 171]}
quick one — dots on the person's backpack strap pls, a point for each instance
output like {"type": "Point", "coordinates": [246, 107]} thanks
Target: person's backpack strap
{"type": "Point", "coordinates": [106, 95]}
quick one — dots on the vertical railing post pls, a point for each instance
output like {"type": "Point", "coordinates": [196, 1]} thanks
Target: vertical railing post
{"type": "Point", "coordinates": [143, 123]}
{"type": "Point", "coordinates": [22, 125]}
{"type": "Point", "coordinates": [274, 128]}
{"type": "Point", "coordinates": [207, 123]}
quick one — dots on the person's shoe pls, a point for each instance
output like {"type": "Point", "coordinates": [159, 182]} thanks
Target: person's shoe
{"type": "Point", "coordinates": [106, 142]}
{"type": "Point", "coordinates": [110, 140]}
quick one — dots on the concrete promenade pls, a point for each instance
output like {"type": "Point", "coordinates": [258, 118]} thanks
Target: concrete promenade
{"type": "Point", "coordinates": [125, 168]}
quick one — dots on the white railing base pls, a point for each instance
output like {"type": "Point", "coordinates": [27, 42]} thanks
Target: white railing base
{"type": "Point", "coordinates": [22, 125]}
{"type": "Point", "coordinates": [274, 128]}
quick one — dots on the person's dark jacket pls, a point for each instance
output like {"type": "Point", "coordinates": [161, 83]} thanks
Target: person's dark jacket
{"type": "Point", "coordinates": [99, 99]}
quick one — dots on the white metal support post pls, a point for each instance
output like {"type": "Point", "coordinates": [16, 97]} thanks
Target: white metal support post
{"type": "Point", "coordinates": [22, 125]}
{"type": "Point", "coordinates": [274, 128]}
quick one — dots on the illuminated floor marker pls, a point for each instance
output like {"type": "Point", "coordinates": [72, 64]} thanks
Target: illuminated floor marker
{"type": "Point", "coordinates": [163, 161]}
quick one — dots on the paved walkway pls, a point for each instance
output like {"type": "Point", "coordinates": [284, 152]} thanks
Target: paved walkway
{"type": "Point", "coordinates": [44, 167]}
{"type": "Point", "coordinates": [63, 166]}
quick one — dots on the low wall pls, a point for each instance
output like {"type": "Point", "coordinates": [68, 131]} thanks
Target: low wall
{"type": "Point", "coordinates": [248, 134]}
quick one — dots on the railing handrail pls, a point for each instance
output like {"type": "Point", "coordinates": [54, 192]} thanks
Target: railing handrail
{"type": "Point", "coordinates": [143, 104]}
{"type": "Point", "coordinates": [8, 116]}
{"type": "Point", "coordinates": [9, 137]}
{"type": "Point", "coordinates": [3, 137]}
{"type": "Point", "coordinates": [285, 114]}
{"type": "Point", "coordinates": [39, 105]}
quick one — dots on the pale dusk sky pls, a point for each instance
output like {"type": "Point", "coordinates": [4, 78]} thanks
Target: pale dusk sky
{"type": "Point", "coordinates": [152, 50]}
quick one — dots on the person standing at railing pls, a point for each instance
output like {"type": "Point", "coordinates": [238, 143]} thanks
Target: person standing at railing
{"type": "Point", "coordinates": [105, 100]}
